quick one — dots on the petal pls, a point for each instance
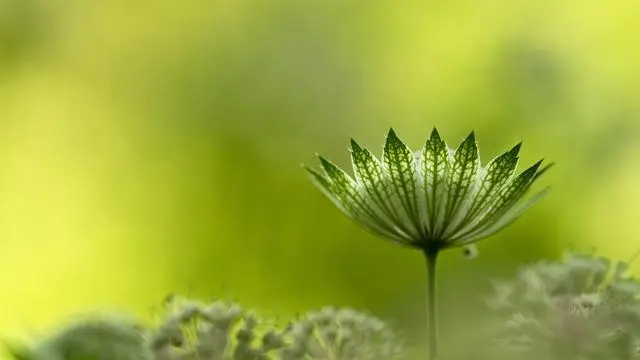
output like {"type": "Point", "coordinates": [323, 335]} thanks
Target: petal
{"type": "Point", "coordinates": [342, 189]}
{"type": "Point", "coordinates": [504, 201]}
{"type": "Point", "coordinates": [324, 184]}
{"type": "Point", "coordinates": [462, 177]}
{"type": "Point", "coordinates": [374, 183]}
{"type": "Point", "coordinates": [507, 219]}
{"type": "Point", "coordinates": [434, 164]}
{"type": "Point", "coordinates": [542, 171]}
{"type": "Point", "coordinates": [511, 193]}
{"type": "Point", "coordinates": [498, 172]}
{"type": "Point", "coordinates": [401, 165]}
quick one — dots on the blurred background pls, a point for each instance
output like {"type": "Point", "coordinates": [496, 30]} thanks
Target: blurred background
{"type": "Point", "coordinates": [154, 146]}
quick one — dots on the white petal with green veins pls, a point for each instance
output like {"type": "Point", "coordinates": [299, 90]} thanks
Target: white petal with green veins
{"type": "Point", "coordinates": [345, 189]}
{"type": "Point", "coordinates": [462, 177]}
{"type": "Point", "coordinates": [514, 191]}
{"type": "Point", "coordinates": [400, 163]}
{"type": "Point", "coordinates": [494, 177]}
{"type": "Point", "coordinates": [503, 201]}
{"type": "Point", "coordinates": [371, 177]}
{"type": "Point", "coordinates": [434, 167]}
{"type": "Point", "coordinates": [498, 173]}
{"type": "Point", "coordinates": [505, 220]}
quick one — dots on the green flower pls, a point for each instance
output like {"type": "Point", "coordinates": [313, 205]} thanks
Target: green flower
{"type": "Point", "coordinates": [433, 198]}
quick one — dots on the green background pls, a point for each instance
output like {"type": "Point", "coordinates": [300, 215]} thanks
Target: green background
{"type": "Point", "coordinates": [149, 147]}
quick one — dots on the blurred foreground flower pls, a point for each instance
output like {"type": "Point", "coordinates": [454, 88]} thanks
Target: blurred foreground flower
{"type": "Point", "coordinates": [104, 337]}
{"type": "Point", "coordinates": [220, 330]}
{"type": "Point", "coordinates": [432, 199]}
{"type": "Point", "coordinates": [583, 307]}
{"type": "Point", "coordinates": [193, 330]}
{"type": "Point", "coordinates": [342, 334]}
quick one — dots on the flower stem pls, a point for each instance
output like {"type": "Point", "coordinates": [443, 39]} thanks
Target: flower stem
{"type": "Point", "coordinates": [432, 321]}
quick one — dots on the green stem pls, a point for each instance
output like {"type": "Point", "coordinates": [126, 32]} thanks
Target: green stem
{"type": "Point", "coordinates": [432, 320]}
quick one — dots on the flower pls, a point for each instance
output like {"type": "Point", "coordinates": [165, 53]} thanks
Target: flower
{"type": "Point", "coordinates": [432, 199]}
{"type": "Point", "coordinates": [197, 331]}
{"type": "Point", "coordinates": [581, 307]}
{"type": "Point", "coordinates": [193, 330]}
{"type": "Point", "coordinates": [105, 336]}
{"type": "Point", "coordinates": [220, 330]}
{"type": "Point", "coordinates": [342, 334]}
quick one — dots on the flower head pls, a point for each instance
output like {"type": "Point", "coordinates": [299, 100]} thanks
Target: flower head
{"type": "Point", "coordinates": [342, 334]}
{"type": "Point", "coordinates": [435, 198]}
{"type": "Point", "coordinates": [197, 331]}
{"type": "Point", "coordinates": [582, 307]}
{"type": "Point", "coordinates": [103, 337]}
{"type": "Point", "coordinates": [193, 330]}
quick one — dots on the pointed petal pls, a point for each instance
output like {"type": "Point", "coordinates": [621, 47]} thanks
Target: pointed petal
{"type": "Point", "coordinates": [434, 167]}
{"type": "Point", "coordinates": [505, 199]}
{"type": "Point", "coordinates": [512, 192]}
{"type": "Point", "coordinates": [543, 170]}
{"type": "Point", "coordinates": [498, 172]}
{"type": "Point", "coordinates": [345, 192]}
{"type": "Point", "coordinates": [321, 181]}
{"type": "Point", "coordinates": [374, 183]}
{"type": "Point", "coordinates": [400, 163]}
{"type": "Point", "coordinates": [462, 177]}
{"type": "Point", "coordinates": [506, 220]}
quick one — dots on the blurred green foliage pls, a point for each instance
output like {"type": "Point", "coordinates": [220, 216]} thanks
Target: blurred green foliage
{"type": "Point", "coordinates": [154, 146]}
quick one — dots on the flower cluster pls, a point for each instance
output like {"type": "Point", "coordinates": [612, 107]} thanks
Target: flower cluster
{"type": "Point", "coordinates": [104, 337]}
{"type": "Point", "coordinates": [193, 330]}
{"type": "Point", "coordinates": [196, 331]}
{"type": "Point", "coordinates": [342, 334]}
{"type": "Point", "coordinates": [581, 308]}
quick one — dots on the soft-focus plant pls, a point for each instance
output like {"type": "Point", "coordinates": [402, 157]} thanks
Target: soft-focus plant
{"type": "Point", "coordinates": [583, 307]}
{"type": "Point", "coordinates": [104, 337]}
{"type": "Point", "coordinates": [342, 334]}
{"type": "Point", "coordinates": [431, 200]}
{"type": "Point", "coordinates": [194, 330]}
{"type": "Point", "coordinates": [197, 331]}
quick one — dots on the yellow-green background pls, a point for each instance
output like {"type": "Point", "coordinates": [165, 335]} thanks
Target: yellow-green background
{"type": "Point", "coordinates": [155, 146]}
